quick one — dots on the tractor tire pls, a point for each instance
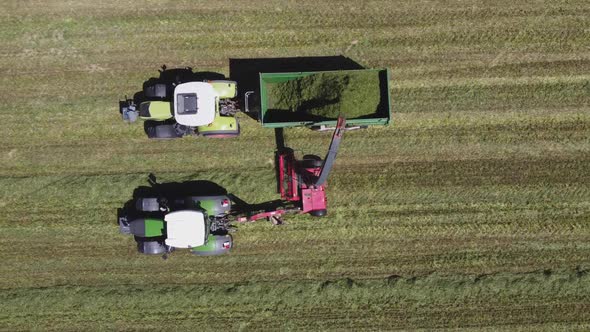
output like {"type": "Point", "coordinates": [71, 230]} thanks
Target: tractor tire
{"type": "Point", "coordinates": [151, 247]}
{"type": "Point", "coordinates": [158, 130]}
{"type": "Point", "coordinates": [319, 213]}
{"type": "Point", "coordinates": [311, 161]}
{"type": "Point", "coordinates": [157, 90]}
{"type": "Point", "coordinates": [148, 204]}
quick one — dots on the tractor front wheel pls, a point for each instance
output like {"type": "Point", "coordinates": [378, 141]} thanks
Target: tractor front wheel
{"type": "Point", "coordinates": [158, 130]}
{"type": "Point", "coordinates": [151, 247]}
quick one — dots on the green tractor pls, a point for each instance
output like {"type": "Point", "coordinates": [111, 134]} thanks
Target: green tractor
{"type": "Point", "coordinates": [166, 221]}
{"type": "Point", "coordinates": [185, 105]}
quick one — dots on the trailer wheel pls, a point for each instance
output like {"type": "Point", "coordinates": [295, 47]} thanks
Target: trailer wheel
{"type": "Point", "coordinates": [319, 213]}
{"type": "Point", "coordinates": [157, 130]}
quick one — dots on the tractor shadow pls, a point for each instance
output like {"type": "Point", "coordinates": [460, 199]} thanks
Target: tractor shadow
{"type": "Point", "coordinates": [172, 77]}
{"type": "Point", "coordinates": [171, 191]}
{"type": "Point", "coordinates": [246, 73]}
{"type": "Point", "coordinates": [180, 190]}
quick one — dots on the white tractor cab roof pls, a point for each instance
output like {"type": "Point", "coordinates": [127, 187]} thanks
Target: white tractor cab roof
{"type": "Point", "coordinates": [185, 229]}
{"type": "Point", "coordinates": [194, 104]}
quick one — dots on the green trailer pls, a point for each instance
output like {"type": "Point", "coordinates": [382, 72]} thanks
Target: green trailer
{"type": "Point", "coordinates": [315, 99]}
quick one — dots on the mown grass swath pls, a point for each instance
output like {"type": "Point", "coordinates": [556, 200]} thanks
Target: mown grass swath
{"type": "Point", "coordinates": [341, 303]}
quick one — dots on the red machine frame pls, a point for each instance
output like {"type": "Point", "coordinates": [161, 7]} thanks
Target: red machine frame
{"type": "Point", "coordinates": [302, 183]}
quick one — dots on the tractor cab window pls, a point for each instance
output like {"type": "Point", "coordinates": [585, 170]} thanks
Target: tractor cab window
{"type": "Point", "coordinates": [187, 103]}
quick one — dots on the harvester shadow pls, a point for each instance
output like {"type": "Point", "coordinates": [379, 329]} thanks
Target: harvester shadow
{"type": "Point", "coordinates": [246, 72]}
{"type": "Point", "coordinates": [280, 143]}
{"type": "Point", "coordinates": [242, 207]}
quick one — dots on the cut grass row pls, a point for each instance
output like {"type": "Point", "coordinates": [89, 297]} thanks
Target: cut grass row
{"type": "Point", "coordinates": [74, 144]}
{"type": "Point", "coordinates": [62, 224]}
{"type": "Point", "coordinates": [516, 182]}
{"type": "Point", "coordinates": [435, 301]}
{"type": "Point", "coordinates": [485, 95]}
{"type": "Point", "coordinates": [503, 38]}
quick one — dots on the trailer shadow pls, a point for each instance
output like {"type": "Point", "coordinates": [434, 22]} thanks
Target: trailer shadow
{"type": "Point", "coordinates": [246, 72]}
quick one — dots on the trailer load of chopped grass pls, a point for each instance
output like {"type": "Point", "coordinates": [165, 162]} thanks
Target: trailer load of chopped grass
{"type": "Point", "coordinates": [353, 94]}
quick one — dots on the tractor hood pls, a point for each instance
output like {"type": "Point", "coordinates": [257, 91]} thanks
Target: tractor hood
{"type": "Point", "coordinates": [194, 104]}
{"type": "Point", "coordinates": [185, 229]}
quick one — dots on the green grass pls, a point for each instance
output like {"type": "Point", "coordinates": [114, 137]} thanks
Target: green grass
{"type": "Point", "coordinates": [326, 95]}
{"type": "Point", "coordinates": [335, 304]}
{"type": "Point", "coordinates": [471, 211]}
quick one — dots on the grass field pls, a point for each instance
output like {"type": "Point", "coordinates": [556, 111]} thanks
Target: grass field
{"type": "Point", "coordinates": [471, 211]}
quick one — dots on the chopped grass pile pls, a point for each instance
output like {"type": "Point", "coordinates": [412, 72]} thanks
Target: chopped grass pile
{"type": "Point", "coordinates": [328, 94]}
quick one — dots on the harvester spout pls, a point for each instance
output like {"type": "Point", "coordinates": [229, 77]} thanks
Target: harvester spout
{"type": "Point", "coordinates": [332, 151]}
